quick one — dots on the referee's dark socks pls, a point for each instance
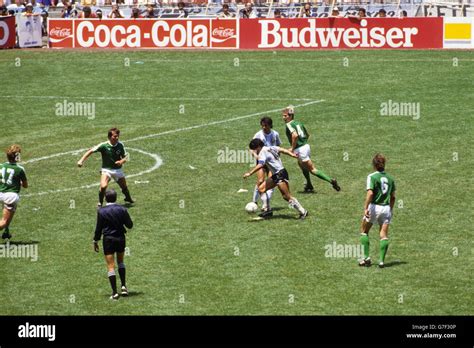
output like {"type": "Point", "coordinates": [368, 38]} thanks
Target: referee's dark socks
{"type": "Point", "coordinates": [113, 281]}
{"type": "Point", "coordinates": [121, 268]}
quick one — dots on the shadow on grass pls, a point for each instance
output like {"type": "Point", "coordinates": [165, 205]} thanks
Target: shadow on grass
{"type": "Point", "coordinates": [130, 294]}
{"type": "Point", "coordinates": [395, 263]}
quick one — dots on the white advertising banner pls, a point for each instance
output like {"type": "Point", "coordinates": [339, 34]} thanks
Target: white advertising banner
{"type": "Point", "coordinates": [29, 31]}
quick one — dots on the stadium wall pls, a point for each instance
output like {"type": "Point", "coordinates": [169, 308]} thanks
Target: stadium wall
{"type": "Point", "coordinates": [264, 34]}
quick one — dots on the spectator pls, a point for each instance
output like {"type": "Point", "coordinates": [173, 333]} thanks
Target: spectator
{"type": "Point", "coordinates": [277, 14]}
{"type": "Point", "coordinates": [136, 13]}
{"type": "Point", "coordinates": [361, 13]}
{"type": "Point", "coordinates": [87, 13]}
{"type": "Point", "coordinates": [382, 13]}
{"type": "Point", "coordinates": [182, 12]}
{"type": "Point", "coordinates": [99, 13]}
{"type": "Point", "coordinates": [225, 12]}
{"type": "Point", "coordinates": [150, 12]}
{"type": "Point", "coordinates": [29, 10]}
{"type": "Point", "coordinates": [248, 11]}
{"type": "Point", "coordinates": [3, 11]}
{"type": "Point", "coordinates": [116, 13]}
{"type": "Point", "coordinates": [403, 14]}
{"type": "Point", "coordinates": [335, 13]}
{"type": "Point", "coordinates": [306, 11]}
{"type": "Point", "coordinates": [68, 11]}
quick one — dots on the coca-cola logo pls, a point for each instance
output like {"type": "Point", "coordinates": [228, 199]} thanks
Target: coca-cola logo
{"type": "Point", "coordinates": [224, 33]}
{"type": "Point", "coordinates": [60, 32]}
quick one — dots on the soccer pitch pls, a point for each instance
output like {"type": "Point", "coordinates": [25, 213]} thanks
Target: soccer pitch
{"type": "Point", "coordinates": [194, 250]}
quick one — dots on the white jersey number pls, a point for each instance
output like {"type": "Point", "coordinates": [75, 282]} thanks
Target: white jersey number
{"type": "Point", "coordinates": [384, 182]}
{"type": "Point", "coordinates": [300, 132]}
{"type": "Point", "coordinates": [10, 173]}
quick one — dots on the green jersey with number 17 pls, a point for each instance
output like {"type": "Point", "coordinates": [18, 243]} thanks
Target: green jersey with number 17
{"type": "Point", "coordinates": [383, 185]}
{"type": "Point", "coordinates": [11, 176]}
{"type": "Point", "coordinates": [111, 154]}
{"type": "Point", "coordinates": [299, 128]}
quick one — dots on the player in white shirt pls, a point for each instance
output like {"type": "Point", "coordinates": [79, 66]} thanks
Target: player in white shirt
{"type": "Point", "coordinates": [269, 137]}
{"type": "Point", "coordinates": [270, 156]}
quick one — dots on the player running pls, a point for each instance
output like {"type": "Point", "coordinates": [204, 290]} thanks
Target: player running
{"type": "Point", "coordinates": [298, 137]}
{"type": "Point", "coordinates": [270, 157]}
{"type": "Point", "coordinates": [113, 157]}
{"type": "Point", "coordinates": [12, 178]}
{"type": "Point", "coordinates": [269, 137]}
{"type": "Point", "coordinates": [378, 208]}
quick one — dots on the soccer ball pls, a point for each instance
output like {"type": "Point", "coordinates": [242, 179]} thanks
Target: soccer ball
{"type": "Point", "coordinates": [251, 207]}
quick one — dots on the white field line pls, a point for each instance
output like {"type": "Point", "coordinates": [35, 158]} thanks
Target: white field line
{"type": "Point", "coordinates": [147, 98]}
{"type": "Point", "coordinates": [156, 157]}
{"type": "Point", "coordinates": [158, 163]}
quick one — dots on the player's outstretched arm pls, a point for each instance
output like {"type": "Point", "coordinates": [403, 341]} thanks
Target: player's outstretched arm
{"type": "Point", "coordinates": [24, 183]}
{"type": "Point", "coordinates": [85, 157]}
{"type": "Point", "coordinates": [287, 152]}
{"type": "Point", "coordinates": [254, 170]}
{"type": "Point", "coordinates": [392, 201]}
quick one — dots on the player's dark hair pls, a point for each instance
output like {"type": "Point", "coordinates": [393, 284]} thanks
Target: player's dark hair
{"type": "Point", "coordinates": [13, 153]}
{"type": "Point", "coordinates": [379, 162]}
{"type": "Point", "coordinates": [112, 131]}
{"type": "Point", "coordinates": [256, 143]}
{"type": "Point", "coordinates": [266, 121]}
{"type": "Point", "coordinates": [111, 196]}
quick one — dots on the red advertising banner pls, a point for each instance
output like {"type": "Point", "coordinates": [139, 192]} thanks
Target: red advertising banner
{"type": "Point", "coordinates": [143, 33]}
{"type": "Point", "coordinates": [7, 32]}
{"type": "Point", "coordinates": [342, 33]}
{"type": "Point", "coordinates": [255, 34]}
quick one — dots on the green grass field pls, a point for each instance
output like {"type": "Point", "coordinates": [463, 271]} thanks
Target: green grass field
{"type": "Point", "coordinates": [188, 222]}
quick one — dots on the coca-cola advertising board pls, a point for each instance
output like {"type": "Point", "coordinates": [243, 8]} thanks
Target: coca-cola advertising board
{"type": "Point", "coordinates": [7, 32]}
{"type": "Point", "coordinates": [253, 34]}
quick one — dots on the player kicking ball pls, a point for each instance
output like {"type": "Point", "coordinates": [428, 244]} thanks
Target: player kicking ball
{"type": "Point", "coordinates": [378, 208]}
{"type": "Point", "coordinates": [270, 156]}
{"type": "Point", "coordinates": [113, 157]}
{"type": "Point", "coordinates": [12, 178]}
{"type": "Point", "coordinates": [298, 137]}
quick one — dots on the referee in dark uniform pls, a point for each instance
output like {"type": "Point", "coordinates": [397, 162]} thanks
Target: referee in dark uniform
{"type": "Point", "coordinates": [111, 220]}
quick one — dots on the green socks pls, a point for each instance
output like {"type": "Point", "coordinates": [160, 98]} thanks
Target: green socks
{"type": "Point", "coordinates": [383, 249]}
{"type": "Point", "coordinates": [364, 240]}
{"type": "Point", "coordinates": [320, 174]}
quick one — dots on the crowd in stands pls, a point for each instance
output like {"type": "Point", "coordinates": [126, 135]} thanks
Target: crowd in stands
{"type": "Point", "coordinates": [133, 9]}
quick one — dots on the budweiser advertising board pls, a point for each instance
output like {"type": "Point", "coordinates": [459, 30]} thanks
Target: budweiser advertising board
{"type": "Point", "coordinates": [7, 32]}
{"type": "Point", "coordinates": [301, 33]}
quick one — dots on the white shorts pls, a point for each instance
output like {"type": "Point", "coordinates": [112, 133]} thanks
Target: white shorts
{"type": "Point", "coordinates": [115, 174]}
{"type": "Point", "coordinates": [10, 200]}
{"type": "Point", "coordinates": [303, 152]}
{"type": "Point", "coordinates": [379, 214]}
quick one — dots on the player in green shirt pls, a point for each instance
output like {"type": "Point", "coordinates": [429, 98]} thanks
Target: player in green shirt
{"type": "Point", "coordinates": [12, 178]}
{"type": "Point", "coordinates": [298, 137]}
{"type": "Point", "coordinates": [378, 208]}
{"type": "Point", "coordinates": [113, 157]}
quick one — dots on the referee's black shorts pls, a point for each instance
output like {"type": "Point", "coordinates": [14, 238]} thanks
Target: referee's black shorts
{"type": "Point", "coordinates": [113, 245]}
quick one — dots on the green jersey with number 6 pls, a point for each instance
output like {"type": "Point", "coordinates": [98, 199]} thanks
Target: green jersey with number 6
{"type": "Point", "coordinates": [11, 176]}
{"type": "Point", "coordinates": [111, 154]}
{"type": "Point", "coordinates": [299, 128]}
{"type": "Point", "coordinates": [383, 185]}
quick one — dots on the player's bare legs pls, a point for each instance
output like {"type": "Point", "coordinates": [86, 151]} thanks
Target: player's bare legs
{"type": "Point", "coordinates": [364, 240]}
{"type": "Point", "coordinates": [309, 166]}
{"type": "Point", "coordinates": [123, 185]}
{"type": "Point", "coordinates": [284, 188]}
{"type": "Point", "coordinates": [109, 259]}
{"type": "Point", "coordinates": [7, 218]}
{"type": "Point", "coordinates": [260, 179]}
{"type": "Point", "coordinates": [121, 269]}
{"type": "Point", "coordinates": [104, 183]}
